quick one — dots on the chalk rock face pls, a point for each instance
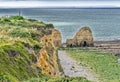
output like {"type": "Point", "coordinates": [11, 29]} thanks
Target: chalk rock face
{"type": "Point", "coordinates": [47, 58]}
{"type": "Point", "coordinates": [83, 38]}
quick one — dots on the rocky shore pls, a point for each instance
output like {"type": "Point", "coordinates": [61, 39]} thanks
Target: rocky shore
{"type": "Point", "coordinates": [84, 38]}
{"type": "Point", "coordinates": [112, 46]}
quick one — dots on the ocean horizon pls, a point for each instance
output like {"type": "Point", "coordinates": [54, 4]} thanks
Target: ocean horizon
{"type": "Point", "coordinates": [104, 22]}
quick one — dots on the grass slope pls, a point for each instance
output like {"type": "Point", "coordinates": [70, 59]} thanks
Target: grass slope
{"type": "Point", "coordinates": [105, 65]}
{"type": "Point", "coordinates": [19, 42]}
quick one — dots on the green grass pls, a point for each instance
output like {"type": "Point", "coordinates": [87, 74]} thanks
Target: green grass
{"type": "Point", "coordinates": [18, 36]}
{"type": "Point", "coordinates": [105, 65]}
{"type": "Point", "coordinates": [16, 63]}
{"type": "Point", "coordinates": [20, 21]}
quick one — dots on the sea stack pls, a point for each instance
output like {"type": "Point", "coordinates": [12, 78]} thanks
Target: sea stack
{"type": "Point", "coordinates": [83, 38]}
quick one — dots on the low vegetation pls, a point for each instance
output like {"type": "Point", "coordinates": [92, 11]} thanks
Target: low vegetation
{"type": "Point", "coordinates": [105, 65]}
{"type": "Point", "coordinates": [19, 42]}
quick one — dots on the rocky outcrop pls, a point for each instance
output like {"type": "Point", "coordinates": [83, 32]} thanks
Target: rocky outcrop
{"type": "Point", "coordinates": [57, 39]}
{"type": "Point", "coordinates": [47, 58]}
{"type": "Point", "coordinates": [54, 37]}
{"type": "Point", "coordinates": [83, 38]}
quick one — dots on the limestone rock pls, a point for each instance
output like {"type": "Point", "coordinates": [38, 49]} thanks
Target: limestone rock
{"type": "Point", "coordinates": [83, 38]}
{"type": "Point", "coordinates": [57, 38]}
{"type": "Point", "coordinates": [47, 58]}
{"type": "Point", "coordinates": [54, 37]}
{"type": "Point", "coordinates": [70, 42]}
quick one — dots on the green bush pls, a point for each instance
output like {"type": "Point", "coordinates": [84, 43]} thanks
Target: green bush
{"type": "Point", "coordinates": [6, 20]}
{"type": "Point", "coordinates": [50, 25]}
{"type": "Point", "coordinates": [17, 17]}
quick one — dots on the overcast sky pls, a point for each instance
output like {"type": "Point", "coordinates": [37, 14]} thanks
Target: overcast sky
{"type": "Point", "coordinates": [58, 3]}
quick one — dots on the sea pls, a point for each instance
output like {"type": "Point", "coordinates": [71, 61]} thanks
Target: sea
{"type": "Point", "coordinates": [104, 22]}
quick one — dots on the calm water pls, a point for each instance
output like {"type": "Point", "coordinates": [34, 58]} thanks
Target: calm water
{"type": "Point", "coordinates": [105, 23]}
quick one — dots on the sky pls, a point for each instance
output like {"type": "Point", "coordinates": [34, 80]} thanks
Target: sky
{"type": "Point", "coordinates": [58, 3]}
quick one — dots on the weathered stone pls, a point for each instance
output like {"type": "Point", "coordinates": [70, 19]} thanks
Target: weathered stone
{"type": "Point", "coordinates": [70, 42]}
{"type": "Point", "coordinates": [57, 38]}
{"type": "Point", "coordinates": [83, 38]}
{"type": "Point", "coordinates": [54, 37]}
{"type": "Point", "coordinates": [47, 58]}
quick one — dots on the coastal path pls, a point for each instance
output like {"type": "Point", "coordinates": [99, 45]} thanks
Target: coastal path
{"type": "Point", "coordinates": [73, 69]}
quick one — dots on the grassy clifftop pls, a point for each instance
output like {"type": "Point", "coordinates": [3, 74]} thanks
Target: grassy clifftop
{"type": "Point", "coordinates": [19, 42]}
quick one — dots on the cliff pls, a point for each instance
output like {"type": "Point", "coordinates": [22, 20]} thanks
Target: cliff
{"type": "Point", "coordinates": [47, 59]}
{"type": "Point", "coordinates": [82, 38]}
{"type": "Point", "coordinates": [22, 56]}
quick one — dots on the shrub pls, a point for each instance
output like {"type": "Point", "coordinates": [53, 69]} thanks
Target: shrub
{"type": "Point", "coordinates": [6, 20]}
{"type": "Point", "coordinates": [17, 17]}
{"type": "Point", "coordinates": [50, 25]}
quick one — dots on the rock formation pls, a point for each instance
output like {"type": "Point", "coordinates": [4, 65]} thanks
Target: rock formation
{"type": "Point", "coordinates": [54, 37]}
{"type": "Point", "coordinates": [47, 58]}
{"type": "Point", "coordinates": [83, 38]}
{"type": "Point", "coordinates": [57, 38]}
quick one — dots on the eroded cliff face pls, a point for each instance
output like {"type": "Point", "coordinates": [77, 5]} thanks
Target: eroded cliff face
{"type": "Point", "coordinates": [57, 39]}
{"type": "Point", "coordinates": [47, 58]}
{"type": "Point", "coordinates": [82, 38]}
